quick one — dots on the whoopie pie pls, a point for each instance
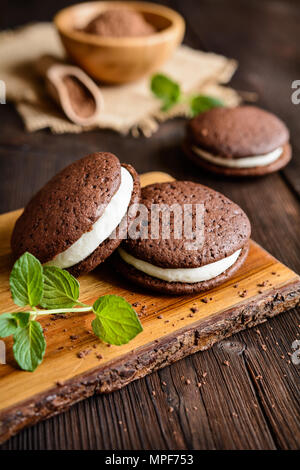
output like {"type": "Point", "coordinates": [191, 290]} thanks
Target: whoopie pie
{"type": "Point", "coordinates": [175, 263]}
{"type": "Point", "coordinates": [79, 217]}
{"type": "Point", "coordinates": [241, 141]}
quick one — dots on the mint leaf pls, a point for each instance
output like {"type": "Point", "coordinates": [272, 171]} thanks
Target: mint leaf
{"type": "Point", "coordinates": [26, 281]}
{"type": "Point", "coordinates": [201, 103]}
{"type": "Point", "coordinates": [61, 289]}
{"type": "Point", "coordinates": [8, 325]}
{"type": "Point", "coordinates": [29, 346]}
{"type": "Point", "coordinates": [165, 89]}
{"type": "Point", "coordinates": [116, 321]}
{"type": "Point", "coordinates": [22, 318]}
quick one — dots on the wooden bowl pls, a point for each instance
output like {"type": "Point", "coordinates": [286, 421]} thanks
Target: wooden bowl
{"type": "Point", "coordinates": [119, 60]}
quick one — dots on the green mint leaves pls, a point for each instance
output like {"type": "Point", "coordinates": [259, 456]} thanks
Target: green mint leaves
{"type": "Point", "coordinates": [29, 345]}
{"type": "Point", "coordinates": [201, 103]}
{"type": "Point", "coordinates": [26, 281]}
{"type": "Point", "coordinates": [116, 322]}
{"type": "Point", "coordinates": [166, 90]}
{"type": "Point", "coordinates": [61, 290]}
{"type": "Point", "coordinates": [8, 325]}
{"type": "Point", "coordinates": [57, 291]}
{"type": "Point", "coordinates": [169, 92]}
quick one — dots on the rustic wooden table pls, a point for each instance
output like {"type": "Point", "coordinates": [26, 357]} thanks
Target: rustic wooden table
{"type": "Point", "coordinates": [254, 403]}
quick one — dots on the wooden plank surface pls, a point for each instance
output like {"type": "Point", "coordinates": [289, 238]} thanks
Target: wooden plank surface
{"type": "Point", "coordinates": [256, 414]}
{"type": "Point", "coordinates": [172, 330]}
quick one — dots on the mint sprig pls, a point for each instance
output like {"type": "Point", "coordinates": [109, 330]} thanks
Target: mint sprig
{"type": "Point", "coordinates": [26, 281]}
{"type": "Point", "coordinates": [116, 321]}
{"type": "Point", "coordinates": [57, 291]}
{"type": "Point", "coordinates": [61, 289]}
{"type": "Point", "coordinates": [165, 89]}
{"type": "Point", "coordinates": [169, 92]}
{"type": "Point", "coordinates": [201, 103]}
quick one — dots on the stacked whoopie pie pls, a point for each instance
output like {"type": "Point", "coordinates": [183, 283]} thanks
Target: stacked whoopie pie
{"type": "Point", "coordinates": [241, 141]}
{"type": "Point", "coordinates": [69, 223]}
{"type": "Point", "coordinates": [170, 264]}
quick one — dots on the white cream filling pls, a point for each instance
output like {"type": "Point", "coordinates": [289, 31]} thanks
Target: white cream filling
{"type": "Point", "coordinates": [247, 162]}
{"type": "Point", "coordinates": [189, 275]}
{"type": "Point", "coordinates": [105, 225]}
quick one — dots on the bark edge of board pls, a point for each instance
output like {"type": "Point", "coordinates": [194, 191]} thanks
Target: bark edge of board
{"type": "Point", "coordinates": [199, 336]}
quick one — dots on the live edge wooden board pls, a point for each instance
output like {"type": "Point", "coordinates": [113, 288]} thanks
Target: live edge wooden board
{"type": "Point", "coordinates": [171, 331]}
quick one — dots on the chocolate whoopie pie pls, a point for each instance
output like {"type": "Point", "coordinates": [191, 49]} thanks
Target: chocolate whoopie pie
{"type": "Point", "coordinates": [241, 141]}
{"type": "Point", "coordinates": [178, 264]}
{"type": "Point", "coordinates": [79, 217]}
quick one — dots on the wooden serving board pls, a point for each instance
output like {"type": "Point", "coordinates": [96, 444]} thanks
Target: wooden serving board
{"type": "Point", "coordinates": [171, 331]}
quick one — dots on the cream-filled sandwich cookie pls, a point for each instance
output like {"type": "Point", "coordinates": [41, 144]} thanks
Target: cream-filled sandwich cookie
{"type": "Point", "coordinates": [241, 141]}
{"type": "Point", "coordinates": [74, 221]}
{"type": "Point", "coordinates": [181, 264]}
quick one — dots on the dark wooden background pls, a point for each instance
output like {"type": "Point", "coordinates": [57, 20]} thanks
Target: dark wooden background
{"type": "Point", "coordinates": [235, 409]}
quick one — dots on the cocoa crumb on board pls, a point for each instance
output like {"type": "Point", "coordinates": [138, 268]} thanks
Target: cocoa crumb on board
{"type": "Point", "coordinates": [262, 284]}
{"type": "Point", "coordinates": [58, 316]}
{"type": "Point", "coordinates": [136, 304]}
{"type": "Point", "coordinates": [194, 309]}
{"type": "Point", "coordinates": [73, 337]}
{"type": "Point", "coordinates": [242, 293]}
{"type": "Point", "coordinates": [59, 383]}
{"type": "Point", "coordinates": [235, 286]}
{"type": "Point", "coordinates": [84, 353]}
{"type": "Point", "coordinates": [99, 356]}
{"type": "Point", "coordinates": [160, 317]}
{"type": "Point", "coordinates": [205, 300]}
{"type": "Point", "coordinates": [60, 348]}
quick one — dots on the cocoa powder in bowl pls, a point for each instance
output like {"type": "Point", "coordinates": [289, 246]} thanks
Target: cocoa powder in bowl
{"type": "Point", "coordinates": [120, 23]}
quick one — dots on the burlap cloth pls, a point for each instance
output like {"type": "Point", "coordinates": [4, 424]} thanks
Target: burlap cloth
{"type": "Point", "coordinates": [127, 108]}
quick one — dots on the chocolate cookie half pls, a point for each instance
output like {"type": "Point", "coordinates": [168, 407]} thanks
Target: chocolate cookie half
{"type": "Point", "coordinates": [201, 241]}
{"type": "Point", "coordinates": [241, 141]}
{"type": "Point", "coordinates": [80, 216]}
